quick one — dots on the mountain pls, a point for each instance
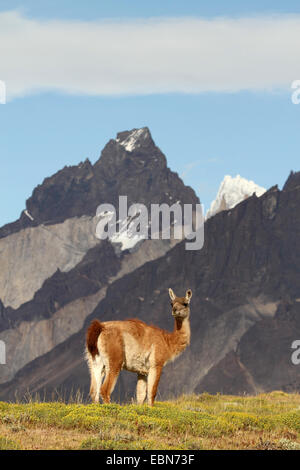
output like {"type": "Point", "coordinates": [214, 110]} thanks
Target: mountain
{"type": "Point", "coordinates": [231, 192]}
{"type": "Point", "coordinates": [54, 268]}
{"type": "Point", "coordinates": [245, 310]}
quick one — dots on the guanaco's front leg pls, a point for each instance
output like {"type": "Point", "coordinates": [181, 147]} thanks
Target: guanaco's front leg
{"type": "Point", "coordinates": [152, 383]}
{"type": "Point", "coordinates": [141, 389]}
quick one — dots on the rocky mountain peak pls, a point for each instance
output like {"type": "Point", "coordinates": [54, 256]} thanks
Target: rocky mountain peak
{"type": "Point", "coordinates": [130, 165]}
{"type": "Point", "coordinates": [135, 139]}
{"type": "Point", "coordinates": [232, 191]}
{"type": "Point", "coordinates": [131, 150]}
{"type": "Point", "coordinates": [293, 181]}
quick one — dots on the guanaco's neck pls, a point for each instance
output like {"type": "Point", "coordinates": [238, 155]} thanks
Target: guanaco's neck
{"type": "Point", "coordinates": [180, 337]}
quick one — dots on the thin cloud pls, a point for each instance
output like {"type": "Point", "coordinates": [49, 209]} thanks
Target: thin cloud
{"type": "Point", "coordinates": [185, 55]}
{"type": "Point", "coordinates": [188, 168]}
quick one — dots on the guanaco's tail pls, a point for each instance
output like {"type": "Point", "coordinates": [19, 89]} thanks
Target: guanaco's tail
{"type": "Point", "coordinates": [92, 336]}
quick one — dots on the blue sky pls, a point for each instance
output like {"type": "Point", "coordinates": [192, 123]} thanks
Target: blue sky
{"type": "Point", "coordinates": [92, 9]}
{"type": "Point", "coordinates": [205, 134]}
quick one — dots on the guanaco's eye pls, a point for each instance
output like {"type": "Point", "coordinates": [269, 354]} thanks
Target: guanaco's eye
{"type": "Point", "coordinates": [171, 303]}
{"type": "Point", "coordinates": [185, 304]}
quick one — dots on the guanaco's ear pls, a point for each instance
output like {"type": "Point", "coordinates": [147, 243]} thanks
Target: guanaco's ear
{"type": "Point", "coordinates": [171, 294]}
{"type": "Point", "coordinates": [188, 294]}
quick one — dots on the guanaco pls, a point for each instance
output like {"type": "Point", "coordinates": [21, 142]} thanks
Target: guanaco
{"type": "Point", "coordinates": [137, 347]}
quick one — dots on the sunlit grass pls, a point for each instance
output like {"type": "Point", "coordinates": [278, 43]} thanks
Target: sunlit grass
{"type": "Point", "coordinates": [265, 421]}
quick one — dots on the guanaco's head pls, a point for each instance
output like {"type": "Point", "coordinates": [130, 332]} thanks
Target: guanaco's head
{"type": "Point", "coordinates": [180, 305]}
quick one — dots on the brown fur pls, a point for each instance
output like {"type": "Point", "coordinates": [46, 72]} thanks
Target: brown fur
{"type": "Point", "coordinates": [92, 336]}
{"type": "Point", "coordinates": [135, 346]}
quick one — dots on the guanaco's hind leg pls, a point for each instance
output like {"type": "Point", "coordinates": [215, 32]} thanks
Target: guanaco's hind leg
{"type": "Point", "coordinates": [97, 370]}
{"type": "Point", "coordinates": [141, 389]}
{"type": "Point", "coordinates": [152, 383]}
{"type": "Point", "coordinates": [109, 383]}
{"type": "Point", "coordinates": [112, 352]}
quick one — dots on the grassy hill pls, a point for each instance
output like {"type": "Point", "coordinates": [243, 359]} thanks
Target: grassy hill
{"type": "Point", "coordinates": [266, 421]}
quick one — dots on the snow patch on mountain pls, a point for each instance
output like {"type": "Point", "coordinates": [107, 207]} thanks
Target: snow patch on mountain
{"type": "Point", "coordinates": [122, 232]}
{"type": "Point", "coordinates": [131, 142]}
{"type": "Point", "coordinates": [232, 191]}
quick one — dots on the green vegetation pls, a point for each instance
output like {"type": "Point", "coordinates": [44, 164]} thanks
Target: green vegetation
{"type": "Point", "coordinates": [266, 421]}
{"type": "Point", "coordinates": [8, 444]}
